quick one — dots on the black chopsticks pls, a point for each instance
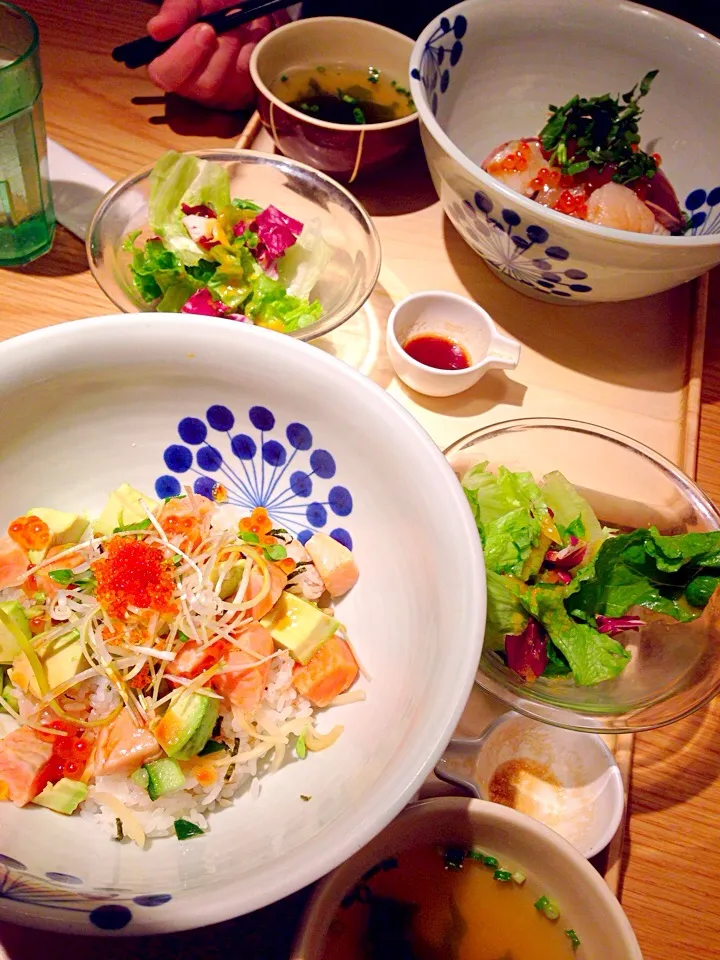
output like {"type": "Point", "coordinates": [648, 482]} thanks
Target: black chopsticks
{"type": "Point", "coordinates": [138, 53]}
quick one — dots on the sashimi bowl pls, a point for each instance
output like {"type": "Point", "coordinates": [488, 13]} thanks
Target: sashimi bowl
{"type": "Point", "coordinates": [224, 457]}
{"type": "Point", "coordinates": [486, 77]}
{"type": "Point", "coordinates": [261, 239]}
{"type": "Point", "coordinates": [603, 568]}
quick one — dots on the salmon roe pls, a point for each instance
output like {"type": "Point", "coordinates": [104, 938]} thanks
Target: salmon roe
{"type": "Point", "coordinates": [133, 573]}
{"type": "Point", "coordinates": [515, 161]}
{"type": "Point", "coordinates": [30, 533]}
{"type": "Point", "coordinates": [546, 177]}
{"type": "Point", "coordinates": [573, 204]}
{"type": "Point", "coordinates": [70, 753]}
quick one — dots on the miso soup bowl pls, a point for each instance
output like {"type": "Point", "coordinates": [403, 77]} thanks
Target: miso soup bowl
{"type": "Point", "coordinates": [548, 861]}
{"type": "Point", "coordinates": [484, 72]}
{"type": "Point", "coordinates": [341, 150]}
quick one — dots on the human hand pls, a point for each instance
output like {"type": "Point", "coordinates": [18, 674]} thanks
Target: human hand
{"type": "Point", "coordinates": [213, 70]}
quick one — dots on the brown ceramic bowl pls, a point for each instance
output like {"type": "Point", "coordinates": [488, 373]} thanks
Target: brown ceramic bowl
{"type": "Point", "coordinates": [343, 151]}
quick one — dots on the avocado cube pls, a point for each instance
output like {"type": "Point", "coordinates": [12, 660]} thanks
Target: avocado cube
{"type": "Point", "coordinates": [60, 658]}
{"type": "Point", "coordinates": [9, 646]}
{"type": "Point", "coordinates": [299, 627]}
{"type": "Point", "coordinates": [62, 797]}
{"type": "Point", "coordinates": [64, 528]}
{"type": "Point", "coordinates": [187, 725]}
{"type": "Point", "coordinates": [122, 508]}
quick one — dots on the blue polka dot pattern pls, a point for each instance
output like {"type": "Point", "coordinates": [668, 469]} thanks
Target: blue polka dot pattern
{"type": "Point", "coordinates": [441, 54]}
{"type": "Point", "coordinates": [66, 878]}
{"type": "Point", "coordinates": [704, 209]}
{"type": "Point", "coordinates": [192, 430]}
{"type": "Point", "coordinates": [209, 458]}
{"type": "Point", "coordinates": [178, 459]}
{"type": "Point", "coordinates": [220, 418]}
{"type": "Point", "coordinates": [166, 486]}
{"type": "Point", "coordinates": [111, 916]}
{"type": "Point", "coordinates": [316, 515]}
{"type": "Point", "coordinates": [342, 536]}
{"type": "Point", "coordinates": [265, 463]}
{"type": "Point", "coordinates": [11, 862]}
{"type": "Point", "coordinates": [152, 899]}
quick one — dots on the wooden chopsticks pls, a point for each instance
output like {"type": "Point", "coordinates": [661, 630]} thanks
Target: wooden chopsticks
{"type": "Point", "coordinates": [140, 52]}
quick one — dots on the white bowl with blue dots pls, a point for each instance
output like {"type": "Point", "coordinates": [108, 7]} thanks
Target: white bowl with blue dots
{"type": "Point", "coordinates": [165, 402]}
{"type": "Point", "coordinates": [484, 72]}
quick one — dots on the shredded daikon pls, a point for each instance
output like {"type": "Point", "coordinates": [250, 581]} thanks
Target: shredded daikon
{"type": "Point", "coordinates": [130, 823]}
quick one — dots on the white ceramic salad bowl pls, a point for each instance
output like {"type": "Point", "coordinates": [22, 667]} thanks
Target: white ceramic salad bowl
{"type": "Point", "coordinates": [156, 400]}
{"type": "Point", "coordinates": [484, 73]}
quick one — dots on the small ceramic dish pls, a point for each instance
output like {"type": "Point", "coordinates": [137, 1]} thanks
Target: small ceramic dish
{"type": "Point", "coordinates": [549, 863]}
{"type": "Point", "coordinates": [453, 318]}
{"type": "Point", "coordinates": [343, 151]}
{"type": "Point", "coordinates": [567, 780]}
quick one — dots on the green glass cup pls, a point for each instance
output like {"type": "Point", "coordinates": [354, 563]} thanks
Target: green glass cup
{"type": "Point", "coordinates": [27, 218]}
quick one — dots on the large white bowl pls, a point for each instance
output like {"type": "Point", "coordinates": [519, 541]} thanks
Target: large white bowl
{"type": "Point", "coordinates": [549, 862]}
{"type": "Point", "coordinates": [484, 72]}
{"type": "Point", "coordinates": [90, 404]}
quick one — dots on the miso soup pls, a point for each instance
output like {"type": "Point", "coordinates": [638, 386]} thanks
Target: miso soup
{"type": "Point", "coordinates": [340, 93]}
{"type": "Point", "coordinates": [454, 904]}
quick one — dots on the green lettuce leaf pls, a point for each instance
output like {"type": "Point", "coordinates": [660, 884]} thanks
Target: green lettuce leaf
{"type": "Point", "coordinates": [509, 512]}
{"type": "Point", "coordinates": [272, 306]}
{"type": "Point", "coordinates": [153, 268]}
{"type": "Point", "coordinates": [505, 612]}
{"type": "Point", "coordinates": [672, 553]}
{"type": "Point", "coordinates": [571, 512]}
{"type": "Point", "coordinates": [170, 179]}
{"type": "Point", "coordinates": [592, 656]}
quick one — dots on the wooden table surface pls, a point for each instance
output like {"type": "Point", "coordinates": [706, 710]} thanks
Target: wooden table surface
{"type": "Point", "coordinates": [116, 119]}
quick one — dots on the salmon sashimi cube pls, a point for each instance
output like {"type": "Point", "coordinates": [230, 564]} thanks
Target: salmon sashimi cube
{"type": "Point", "coordinates": [44, 581]}
{"type": "Point", "coordinates": [334, 562]}
{"type": "Point", "coordinates": [278, 582]}
{"type": "Point", "coordinates": [183, 518]}
{"type": "Point", "coordinates": [14, 563]}
{"type": "Point", "coordinates": [123, 747]}
{"type": "Point", "coordinates": [24, 759]}
{"type": "Point", "coordinates": [245, 688]}
{"type": "Point", "coordinates": [332, 671]}
{"type": "Point", "coordinates": [192, 660]}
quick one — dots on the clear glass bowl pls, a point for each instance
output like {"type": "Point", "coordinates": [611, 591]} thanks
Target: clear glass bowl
{"type": "Point", "coordinates": [628, 485]}
{"type": "Point", "coordinates": [347, 280]}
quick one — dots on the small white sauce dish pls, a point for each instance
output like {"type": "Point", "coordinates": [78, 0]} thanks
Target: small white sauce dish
{"type": "Point", "coordinates": [566, 779]}
{"type": "Point", "coordinates": [455, 318]}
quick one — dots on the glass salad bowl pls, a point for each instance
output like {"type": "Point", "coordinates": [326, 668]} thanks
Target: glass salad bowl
{"type": "Point", "coordinates": [670, 673]}
{"type": "Point", "coordinates": [345, 274]}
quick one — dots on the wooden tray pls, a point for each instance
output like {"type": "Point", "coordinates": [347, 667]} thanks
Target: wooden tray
{"type": "Point", "coordinates": [635, 367]}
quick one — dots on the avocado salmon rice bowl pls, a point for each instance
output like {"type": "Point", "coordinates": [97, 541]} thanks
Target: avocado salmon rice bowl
{"type": "Point", "coordinates": [159, 660]}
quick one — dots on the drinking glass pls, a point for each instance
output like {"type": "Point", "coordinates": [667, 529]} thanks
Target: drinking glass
{"type": "Point", "coordinates": [27, 218]}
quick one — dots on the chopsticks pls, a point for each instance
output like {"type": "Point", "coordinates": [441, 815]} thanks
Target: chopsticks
{"type": "Point", "coordinates": [139, 53]}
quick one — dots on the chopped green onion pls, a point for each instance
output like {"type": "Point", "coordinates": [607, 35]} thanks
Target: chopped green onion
{"type": "Point", "coordinates": [346, 98]}
{"type": "Point", "coordinates": [275, 551]}
{"type": "Point", "coordinates": [502, 875]}
{"type": "Point", "coordinates": [546, 906]}
{"type": "Point", "coordinates": [574, 938]}
{"type": "Point", "coordinates": [518, 877]}
{"type": "Point", "coordinates": [301, 746]}
{"type": "Point", "coordinates": [140, 525]}
{"type": "Point", "coordinates": [473, 854]}
{"type": "Point", "coordinates": [184, 829]}
{"type": "Point", "coordinates": [249, 537]}
{"type": "Point", "coordinates": [182, 637]}
{"type": "Point", "coordinates": [491, 862]}
{"type": "Point", "coordinates": [393, 83]}
{"type": "Point", "coordinates": [212, 746]}
{"type": "Point", "coordinates": [283, 78]}
{"type": "Point", "coordinates": [358, 115]}
{"type": "Point", "coordinates": [321, 69]}
{"type": "Point", "coordinates": [39, 597]}
{"type": "Point", "coordinates": [177, 559]}
{"type": "Point", "coordinates": [454, 857]}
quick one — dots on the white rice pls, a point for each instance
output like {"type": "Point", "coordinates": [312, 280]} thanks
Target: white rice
{"type": "Point", "coordinates": [280, 704]}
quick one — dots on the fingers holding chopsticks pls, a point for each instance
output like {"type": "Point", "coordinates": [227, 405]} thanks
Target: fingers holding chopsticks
{"type": "Point", "coordinates": [202, 66]}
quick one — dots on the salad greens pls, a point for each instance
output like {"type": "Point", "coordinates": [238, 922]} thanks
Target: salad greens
{"type": "Point", "coordinates": [213, 255]}
{"type": "Point", "coordinates": [561, 587]}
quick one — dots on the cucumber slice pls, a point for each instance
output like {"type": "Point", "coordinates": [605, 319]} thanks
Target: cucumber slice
{"type": "Point", "coordinates": [164, 776]}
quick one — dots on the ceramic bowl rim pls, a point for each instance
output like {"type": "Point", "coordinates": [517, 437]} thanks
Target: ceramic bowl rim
{"type": "Point", "coordinates": [324, 899]}
{"type": "Point", "coordinates": [321, 326]}
{"type": "Point", "coordinates": [530, 207]}
{"type": "Point", "coordinates": [197, 909]}
{"type": "Point", "coordinates": [262, 87]}
{"type": "Point", "coordinates": [424, 367]}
